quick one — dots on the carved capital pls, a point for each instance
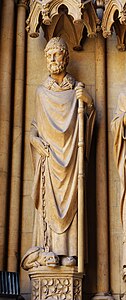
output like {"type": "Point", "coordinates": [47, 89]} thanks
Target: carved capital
{"type": "Point", "coordinates": [90, 19]}
{"type": "Point", "coordinates": [75, 14]}
{"type": "Point", "coordinates": [112, 7]}
{"type": "Point", "coordinates": [100, 3]}
{"type": "Point", "coordinates": [46, 14]}
{"type": "Point", "coordinates": [123, 15]}
{"type": "Point", "coordinates": [106, 34]}
{"type": "Point", "coordinates": [23, 3]}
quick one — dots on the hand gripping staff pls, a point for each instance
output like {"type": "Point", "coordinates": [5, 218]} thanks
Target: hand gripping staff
{"type": "Point", "coordinates": [80, 184]}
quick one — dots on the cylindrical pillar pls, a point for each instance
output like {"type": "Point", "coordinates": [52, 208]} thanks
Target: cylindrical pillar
{"type": "Point", "coordinates": [101, 170]}
{"type": "Point", "coordinates": [16, 176]}
{"type": "Point", "coordinates": [6, 76]}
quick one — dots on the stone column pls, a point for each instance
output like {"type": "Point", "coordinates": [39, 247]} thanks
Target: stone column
{"type": "Point", "coordinates": [101, 173]}
{"type": "Point", "coordinates": [6, 77]}
{"type": "Point", "coordinates": [17, 150]}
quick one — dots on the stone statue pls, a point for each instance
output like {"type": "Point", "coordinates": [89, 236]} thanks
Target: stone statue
{"type": "Point", "coordinates": [118, 126]}
{"type": "Point", "coordinates": [54, 144]}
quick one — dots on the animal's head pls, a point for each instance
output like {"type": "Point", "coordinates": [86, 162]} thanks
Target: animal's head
{"type": "Point", "coordinates": [52, 260]}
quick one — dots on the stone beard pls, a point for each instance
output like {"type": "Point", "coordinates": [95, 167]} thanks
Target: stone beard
{"type": "Point", "coordinates": [56, 67]}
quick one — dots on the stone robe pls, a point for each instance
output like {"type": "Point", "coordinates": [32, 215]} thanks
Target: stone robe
{"type": "Point", "coordinates": [56, 176]}
{"type": "Point", "coordinates": [119, 132]}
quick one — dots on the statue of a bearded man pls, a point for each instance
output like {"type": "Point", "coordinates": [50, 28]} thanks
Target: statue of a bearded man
{"type": "Point", "coordinates": [54, 143]}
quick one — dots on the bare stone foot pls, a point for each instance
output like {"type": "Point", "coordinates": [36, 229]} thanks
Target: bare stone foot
{"type": "Point", "coordinates": [68, 261]}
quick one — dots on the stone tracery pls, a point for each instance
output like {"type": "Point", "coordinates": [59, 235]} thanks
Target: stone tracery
{"type": "Point", "coordinates": [94, 16]}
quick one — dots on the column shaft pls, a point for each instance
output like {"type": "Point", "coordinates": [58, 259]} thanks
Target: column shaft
{"type": "Point", "coordinates": [16, 177]}
{"type": "Point", "coordinates": [101, 173]}
{"type": "Point", "coordinates": [6, 75]}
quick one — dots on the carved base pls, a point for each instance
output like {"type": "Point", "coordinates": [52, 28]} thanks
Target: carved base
{"type": "Point", "coordinates": [57, 283]}
{"type": "Point", "coordinates": [102, 296]}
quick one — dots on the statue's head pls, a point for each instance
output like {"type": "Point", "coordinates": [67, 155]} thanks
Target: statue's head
{"type": "Point", "coordinates": [57, 55]}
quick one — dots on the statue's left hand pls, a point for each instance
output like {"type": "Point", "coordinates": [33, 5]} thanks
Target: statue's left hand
{"type": "Point", "coordinates": [41, 147]}
{"type": "Point", "coordinates": [82, 95]}
{"type": "Point", "coordinates": [124, 119]}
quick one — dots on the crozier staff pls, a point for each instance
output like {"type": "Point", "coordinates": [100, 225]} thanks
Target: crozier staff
{"type": "Point", "coordinates": [54, 141]}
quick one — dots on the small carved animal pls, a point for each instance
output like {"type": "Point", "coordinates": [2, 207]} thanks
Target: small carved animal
{"type": "Point", "coordinates": [36, 256]}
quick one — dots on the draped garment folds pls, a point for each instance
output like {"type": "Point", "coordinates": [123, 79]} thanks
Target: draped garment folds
{"type": "Point", "coordinates": [119, 133]}
{"type": "Point", "coordinates": [56, 122]}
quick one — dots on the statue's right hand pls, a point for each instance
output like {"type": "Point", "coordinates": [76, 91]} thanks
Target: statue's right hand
{"type": "Point", "coordinates": [42, 148]}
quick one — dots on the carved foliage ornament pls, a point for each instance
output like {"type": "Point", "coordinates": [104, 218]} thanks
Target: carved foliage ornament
{"type": "Point", "coordinates": [56, 289]}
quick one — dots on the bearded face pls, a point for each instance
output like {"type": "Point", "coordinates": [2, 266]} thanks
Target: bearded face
{"type": "Point", "coordinates": [57, 61]}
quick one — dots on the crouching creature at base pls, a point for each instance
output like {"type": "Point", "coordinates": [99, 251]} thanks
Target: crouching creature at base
{"type": "Point", "coordinates": [36, 256]}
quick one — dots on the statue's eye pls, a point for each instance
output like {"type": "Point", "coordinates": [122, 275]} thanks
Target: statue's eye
{"type": "Point", "coordinates": [58, 54]}
{"type": "Point", "coordinates": [49, 55]}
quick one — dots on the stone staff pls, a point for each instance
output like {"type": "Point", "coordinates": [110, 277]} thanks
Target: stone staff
{"type": "Point", "coordinates": [81, 184]}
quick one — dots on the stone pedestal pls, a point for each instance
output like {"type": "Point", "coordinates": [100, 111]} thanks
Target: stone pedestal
{"type": "Point", "coordinates": [102, 296]}
{"type": "Point", "coordinates": [56, 283]}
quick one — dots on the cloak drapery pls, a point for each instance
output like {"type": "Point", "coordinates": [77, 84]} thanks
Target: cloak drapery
{"type": "Point", "coordinates": [118, 129]}
{"type": "Point", "coordinates": [56, 124]}
{"type": "Point", "coordinates": [119, 132]}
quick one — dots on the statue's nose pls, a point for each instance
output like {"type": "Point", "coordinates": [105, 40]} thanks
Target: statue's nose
{"type": "Point", "coordinates": [52, 57]}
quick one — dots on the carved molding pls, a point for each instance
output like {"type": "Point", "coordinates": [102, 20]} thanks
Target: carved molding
{"type": "Point", "coordinates": [33, 19]}
{"type": "Point", "coordinates": [57, 288]}
{"type": "Point", "coordinates": [90, 19]}
{"type": "Point", "coordinates": [123, 15]}
{"type": "Point", "coordinates": [121, 34]}
{"type": "Point", "coordinates": [47, 9]}
{"type": "Point", "coordinates": [35, 289]}
{"type": "Point", "coordinates": [75, 14]}
{"type": "Point", "coordinates": [77, 288]}
{"type": "Point", "coordinates": [62, 25]}
{"type": "Point", "coordinates": [24, 3]}
{"type": "Point", "coordinates": [56, 284]}
{"type": "Point", "coordinates": [115, 17]}
{"type": "Point", "coordinates": [113, 10]}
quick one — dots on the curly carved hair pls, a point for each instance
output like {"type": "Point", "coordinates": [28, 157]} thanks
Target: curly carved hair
{"type": "Point", "coordinates": [58, 43]}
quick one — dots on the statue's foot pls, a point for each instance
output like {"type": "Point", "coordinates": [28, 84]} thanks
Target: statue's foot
{"type": "Point", "coordinates": [68, 261]}
{"type": "Point", "coordinates": [124, 273]}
